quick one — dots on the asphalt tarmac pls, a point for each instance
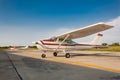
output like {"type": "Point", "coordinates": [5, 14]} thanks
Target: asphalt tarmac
{"type": "Point", "coordinates": [27, 65]}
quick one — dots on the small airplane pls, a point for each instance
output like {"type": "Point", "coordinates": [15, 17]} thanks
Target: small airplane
{"type": "Point", "coordinates": [18, 47]}
{"type": "Point", "coordinates": [63, 43]}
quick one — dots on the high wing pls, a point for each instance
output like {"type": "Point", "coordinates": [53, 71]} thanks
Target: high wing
{"type": "Point", "coordinates": [86, 31]}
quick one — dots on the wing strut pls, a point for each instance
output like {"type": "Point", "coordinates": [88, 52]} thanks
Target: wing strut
{"type": "Point", "coordinates": [62, 42]}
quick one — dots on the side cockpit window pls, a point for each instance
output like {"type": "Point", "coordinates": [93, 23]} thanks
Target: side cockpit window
{"type": "Point", "coordinates": [66, 41]}
{"type": "Point", "coordinates": [69, 41]}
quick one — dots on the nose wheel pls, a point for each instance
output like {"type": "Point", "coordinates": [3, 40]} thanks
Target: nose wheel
{"type": "Point", "coordinates": [67, 55]}
{"type": "Point", "coordinates": [43, 55]}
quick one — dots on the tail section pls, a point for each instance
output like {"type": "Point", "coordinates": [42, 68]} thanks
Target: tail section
{"type": "Point", "coordinates": [97, 39]}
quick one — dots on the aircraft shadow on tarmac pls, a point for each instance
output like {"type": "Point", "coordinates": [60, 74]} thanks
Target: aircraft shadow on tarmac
{"type": "Point", "coordinates": [58, 71]}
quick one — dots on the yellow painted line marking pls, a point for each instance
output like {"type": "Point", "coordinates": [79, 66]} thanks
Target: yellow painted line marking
{"type": "Point", "coordinates": [84, 64]}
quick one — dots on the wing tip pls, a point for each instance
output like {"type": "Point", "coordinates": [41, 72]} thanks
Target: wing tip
{"type": "Point", "coordinates": [103, 23]}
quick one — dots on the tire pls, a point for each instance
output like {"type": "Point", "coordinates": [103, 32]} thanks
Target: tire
{"type": "Point", "coordinates": [67, 55]}
{"type": "Point", "coordinates": [43, 55]}
{"type": "Point", "coordinates": [55, 54]}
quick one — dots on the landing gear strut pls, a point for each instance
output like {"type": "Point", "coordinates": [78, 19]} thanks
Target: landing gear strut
{"type": "Point", "coordinates": [43, 55]}
{"type": "Point", "coordinates": [55, 54]}
{"type": "Point", "coordinates": [67, 55]}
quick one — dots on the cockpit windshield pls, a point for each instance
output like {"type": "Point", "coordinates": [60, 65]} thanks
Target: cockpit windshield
{"type": "Point", "coordinates": [67, 41]}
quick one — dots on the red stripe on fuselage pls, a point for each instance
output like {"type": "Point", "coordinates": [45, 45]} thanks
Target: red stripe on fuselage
{"type": "Point", "coordinates": [57, 44]}
{"type": "Point", "coordinates": [67, 44]}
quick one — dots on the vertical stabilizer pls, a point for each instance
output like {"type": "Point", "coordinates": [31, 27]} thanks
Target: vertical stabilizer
{"type": "Point", "coordinates": [97, 39]}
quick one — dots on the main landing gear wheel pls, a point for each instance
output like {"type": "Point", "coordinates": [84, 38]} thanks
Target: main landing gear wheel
{"type": "Point", "coordinates": [43, 55]}
{"type": "Point", "coordinates": [67, 55]}
{"type": "Point", "coordinates": [55, 54]}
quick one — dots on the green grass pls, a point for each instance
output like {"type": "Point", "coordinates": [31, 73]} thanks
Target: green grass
{"type": "Point", "coordinates": [3, 48]}
{"type": "Point", "coordinates": [110, 48]}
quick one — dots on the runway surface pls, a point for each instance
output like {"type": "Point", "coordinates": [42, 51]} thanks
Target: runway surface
{"type": "Point", "coordinates": [27, 65]}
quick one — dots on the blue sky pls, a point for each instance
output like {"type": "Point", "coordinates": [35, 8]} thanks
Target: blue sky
{"type": "Point", "coordinates": [23, 21]}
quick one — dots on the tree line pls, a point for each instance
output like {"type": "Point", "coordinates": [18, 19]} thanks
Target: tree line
{"type": "Point", "coordinates": [113, 44]}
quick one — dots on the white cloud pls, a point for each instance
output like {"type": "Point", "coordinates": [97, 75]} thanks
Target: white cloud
{"type": "Point", "coordinates": [115, 22]}
{"type": "Point", "coordinates": [113, 35]}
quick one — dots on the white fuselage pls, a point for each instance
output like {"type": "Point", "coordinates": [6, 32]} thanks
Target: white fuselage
{"type": "Point", "coordinates": [70, 45]}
